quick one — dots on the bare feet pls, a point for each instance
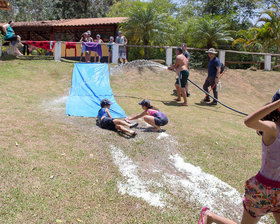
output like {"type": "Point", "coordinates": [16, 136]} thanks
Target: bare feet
{"type": "Point", "coordinates": [177, 99]}
{"type": "Point", "coordinates": [155, 129]}
{"type": "Point", "coordinates": [183, 104]}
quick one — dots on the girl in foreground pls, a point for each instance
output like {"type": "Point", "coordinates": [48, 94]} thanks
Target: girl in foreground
{"type": "Point", "coordinates": [107, 122]}
{"type": "Point", "coordinates": [151, 115]}
{"type": "Point", "coordinates": [262, 192]}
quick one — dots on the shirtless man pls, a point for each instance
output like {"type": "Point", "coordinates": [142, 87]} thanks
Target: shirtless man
{"type": "Point", "coordinates": [181, 68]}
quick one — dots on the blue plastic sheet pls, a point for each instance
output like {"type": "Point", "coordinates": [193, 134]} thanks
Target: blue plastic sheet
{"type": "Point", "coordinates": [91, 84]}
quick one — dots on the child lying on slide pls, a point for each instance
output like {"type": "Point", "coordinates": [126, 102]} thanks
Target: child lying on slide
{"type": "Point", "coordinates": [151, 115]}
{"type": "Point", "coordinates": [107, 122]}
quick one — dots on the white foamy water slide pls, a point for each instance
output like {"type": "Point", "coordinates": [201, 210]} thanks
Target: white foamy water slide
{"type": "Point", "coordinates": [198, 186]}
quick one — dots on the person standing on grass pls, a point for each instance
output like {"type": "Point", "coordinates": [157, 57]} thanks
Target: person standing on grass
{"type": "Point", "coordinates": [99, 41]}
{"type": "Point", "coordinates": [214, 69]}
{"type": "Point", "coordinates": [152, 115]}
{"type": "Point", "coordinates": [187, 55]}
{"type": "Point", "coordinates": [181, 68]}
{"type": "Point", "coordinates": [262, 192]}
{"type": "Point", "coordinates": [9, 35]}
{"type": "Point", "coordinates": [110, 49]}
{"type": "Point", "coordinates": [107, 122]}
{"type": "Point", "coordinates": [122, 41]}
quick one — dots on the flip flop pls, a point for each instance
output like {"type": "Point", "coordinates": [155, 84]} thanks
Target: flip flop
{"type": "Point", "coordinates": [204, 209]}
{"type": "Point", "coordinates": [134, 125]}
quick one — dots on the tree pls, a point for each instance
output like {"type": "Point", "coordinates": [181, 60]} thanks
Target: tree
{"type": "Point", "coordinates": [145, 25]}
{"type": "Point", "coordinates": [211, 32]}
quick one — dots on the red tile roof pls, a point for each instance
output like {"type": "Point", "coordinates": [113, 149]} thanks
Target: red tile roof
{"type": "Point", "coordinates": [4, 4]}
{"type": "Point", "coordinates": [72, 22]}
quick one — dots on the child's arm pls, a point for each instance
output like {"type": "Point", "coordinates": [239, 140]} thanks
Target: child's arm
{"type": "Point", "coordinates": [107, 111]}
{"type": "Point", "coordinates": [138, 116]}
{"type": "Point", "coordinates": [267, 127]}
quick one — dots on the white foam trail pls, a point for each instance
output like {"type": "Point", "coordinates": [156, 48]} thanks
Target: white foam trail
{"type": "Point", "coordinates": [133, 185]}
{"type": "Point", "coordinates": [162, 135]}
{"type": "Point", "coordinates": [206, 189]}
{"type": "Point", "coordinates": [55, 104]}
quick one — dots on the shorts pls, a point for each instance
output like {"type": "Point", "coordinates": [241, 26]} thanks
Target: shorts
{"type": "Point", "coordinates": [260, 199]}
{"type": "Point", "coordinates": [161, 121]}
{"type": "Point", "coordinates": [12, 38]}
{"type": "Point", "coordinates": [108, 123]}
{"type": "Point", "coordinates": [183, 81]}
{"type": "Point", "coordinates": [83, 48]}
{"type": "Point", "coordinates": [122, 53]}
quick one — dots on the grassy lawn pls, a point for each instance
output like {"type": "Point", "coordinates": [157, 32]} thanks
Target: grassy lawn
{"type": "Point", "coordinates": [59, 169]}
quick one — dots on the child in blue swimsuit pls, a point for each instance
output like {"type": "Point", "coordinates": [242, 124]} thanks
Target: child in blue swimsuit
{"type": "Point", "coordinates": [107, 122]}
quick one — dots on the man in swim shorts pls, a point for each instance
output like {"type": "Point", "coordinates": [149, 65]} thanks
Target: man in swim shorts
{"type": "Point", "coordinates": [181, 68]}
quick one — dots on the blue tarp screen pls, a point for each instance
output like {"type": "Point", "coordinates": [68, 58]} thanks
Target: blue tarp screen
{"type": "Point", "coordinates": [91, 84]}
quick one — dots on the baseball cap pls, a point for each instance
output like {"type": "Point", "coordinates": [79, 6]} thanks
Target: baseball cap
{"type": "Point", "coordinates": [276, 96]}
{"type": "Point", "coordinates": [105, 102]}
{"type": "Point", "coordinates": [98, 35]}
{"type": "Point", "coordinates": [145, 103]}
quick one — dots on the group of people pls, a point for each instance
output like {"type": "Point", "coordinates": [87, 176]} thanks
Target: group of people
{"type": "Point", "coordinates": [181, 67]}
{"type": "Point", "coordinates": [120, 39]}
{"type": "Point", "coordinates": [262, 191]}
{"type": "Point", "coordinates": [151, 115]}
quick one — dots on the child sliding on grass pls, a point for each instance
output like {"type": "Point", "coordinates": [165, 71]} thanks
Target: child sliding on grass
{"type": "Point", "coordinates": [262, 192]}
{"type": "Point", "coordinates": [151, 115]}
{"type": "Point", "coordinates": [107, 122]}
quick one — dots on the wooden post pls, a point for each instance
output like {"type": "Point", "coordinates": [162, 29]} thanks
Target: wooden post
{"type": "Point", "coordinates": [115, 53]}
{"type": "Point", "coordinates": [168, 59]}
{"type": "Point", "coordinates": [222, 56]}
{"type": "Point", "coordinates": [57, 53]}
{"type": "Point", "coordinates": [267, 62]}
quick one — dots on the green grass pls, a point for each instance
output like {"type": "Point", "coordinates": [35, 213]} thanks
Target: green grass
{"type": "Point", "coordinates": [56, 168]}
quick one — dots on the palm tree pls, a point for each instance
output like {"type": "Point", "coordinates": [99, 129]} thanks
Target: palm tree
{"type": "Point", "coordinates": [272, 26]}
{"type": "Point", "coordinates": [145, 24]}
{"type": "Point", "coordinates": [248, 39]}
{"type": "Point", "coordinates": [210, 32]}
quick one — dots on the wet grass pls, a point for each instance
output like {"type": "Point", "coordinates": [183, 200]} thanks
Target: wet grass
{"type": "Point", "coordinates": [58, 169]}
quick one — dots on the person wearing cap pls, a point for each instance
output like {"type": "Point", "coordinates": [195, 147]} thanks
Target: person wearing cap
{"type": "Point", "coordinates": [214, 68]}
{"type": "Point", "coordinates": [122, 41]}
{"type": "Point", "coordinates": [99, 41]}
{"type": "Point", "coordinates": [107, 122]}
{"type": "Point", "coordinates": [110, 48]}
{"type": "Point", "coordinates": [89, 39]}
{"type": "Point", "coordinates": [262, 191]}
{"type": "Point", "coordinates": [181, 68]}
{"type": "Point", "coordinates": [83, 39]}
{"type": "Point", "coordinates": [151, 115]}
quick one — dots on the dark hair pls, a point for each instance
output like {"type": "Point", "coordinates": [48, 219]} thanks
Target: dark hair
{"type": "Point", "coordinates": [179, 49]}
{"type": "Point", "coordinates": [184, 44]}
{"type": "Point", "coordinates": [10, 22]}
{"type": "Point", "coordinates": [152, 107]}
{"type": "Point", "coordinates": [273, 116]}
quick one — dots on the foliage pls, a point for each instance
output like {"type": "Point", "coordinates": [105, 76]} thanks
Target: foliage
{"type": "Point", "coordinates": [30, 10]}
{"type": "Point", "coordinates": [148, 24]}
{"type": "Point", "coordinates": [211, 32]}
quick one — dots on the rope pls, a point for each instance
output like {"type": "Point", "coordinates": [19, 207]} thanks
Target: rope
{"type": "Point", "coordinates": [237, 111]}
